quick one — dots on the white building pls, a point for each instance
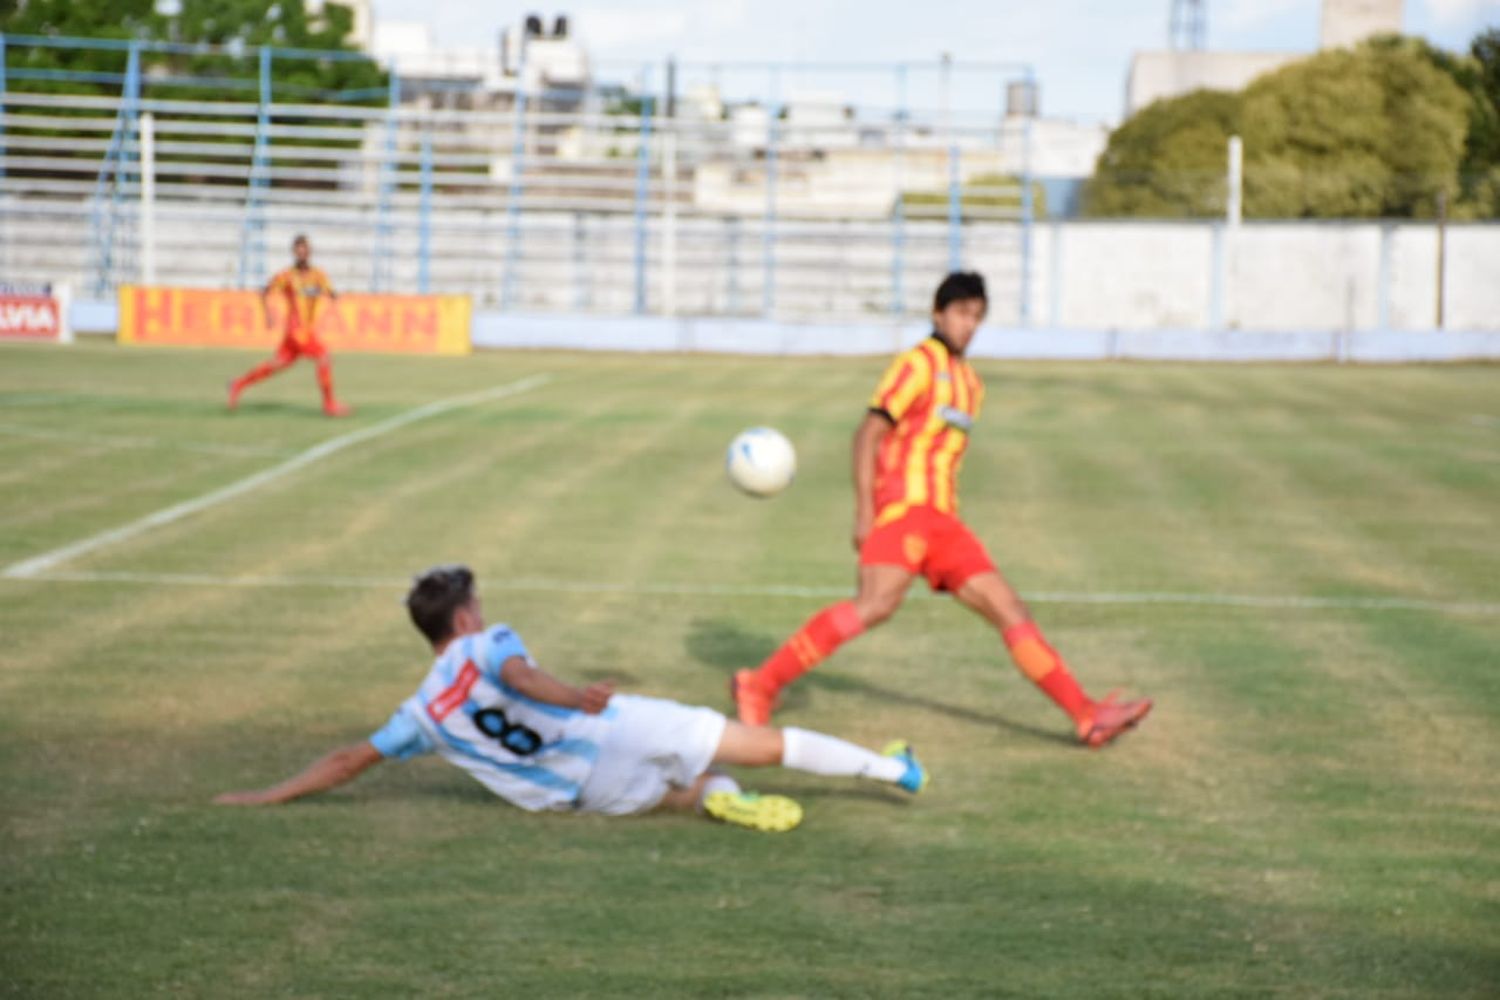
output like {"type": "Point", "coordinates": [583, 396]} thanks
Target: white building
{"type": "Point", "coordinates": [1349, 22]}
{"type": "Point", "coordinates": [541, 61]}
{"type": "Point", "coordinates": [1158, 75]}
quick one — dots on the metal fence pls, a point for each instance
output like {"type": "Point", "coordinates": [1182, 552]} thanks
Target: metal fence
{"type": "Point", "coordinates": [608, 200]}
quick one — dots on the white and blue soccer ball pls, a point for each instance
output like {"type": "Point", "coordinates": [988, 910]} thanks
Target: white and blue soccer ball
{"type": "Point", "coordinates": [761, 461]}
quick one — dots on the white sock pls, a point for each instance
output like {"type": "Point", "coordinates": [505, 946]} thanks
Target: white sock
{"type": "Point", "coordinates": [804, 750]}
{"type": "Point", "coordinates": [717, 783]}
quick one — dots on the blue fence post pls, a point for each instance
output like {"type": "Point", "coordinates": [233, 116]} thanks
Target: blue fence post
{"type": "Point", "coordinates": [513, 198]}
{"type": "Point", "coordinates": [380, 265]}
{"type": "Point", "coordinates": [253, 233]}
{"type": "Point", "coordinates": [130, 148]}
{"type": "Point", "coordinates": [1028, 206]}
{"type": "Point", "coordinates": [732, 268]}
{"type": "Point", "coordinates": [424, 218]}
{"type": "Point", "coordinates": [110, 173]}
{"type": "Point", "coordinates": [955, 209]}
{"type": "Point", "coordinates": [898, 215]}
{"type": "Point", "coordinates": [642, 191]}
{"type": "Point", "coordinates": [768, 232]}
{"type": "Point", "coordinates": [3, 107]}
{"type": "Point", "coordinates": [582, 296]}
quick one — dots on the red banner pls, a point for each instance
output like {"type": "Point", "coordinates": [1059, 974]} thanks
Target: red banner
{"type": "Point", "coordinates": [30, 317]}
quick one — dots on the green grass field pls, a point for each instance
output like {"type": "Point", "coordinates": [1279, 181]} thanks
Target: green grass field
{"type": "Point", "coordinates": [1312, 811]}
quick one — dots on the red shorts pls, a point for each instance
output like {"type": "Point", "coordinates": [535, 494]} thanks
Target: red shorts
{"type": "Point", "coordinates": [925, 540]}
{"type": "Point", "coordinates": [291, 349]}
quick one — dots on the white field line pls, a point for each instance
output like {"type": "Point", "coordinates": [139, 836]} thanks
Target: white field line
{"type": "Point", "coordinates": [491, 584]}
{"type": "Point", "coordinates": [126, 441]}
{"type": "Point", "coordinates": [10, 400]}
{"type": "Point", "coordinates": [47, 560]}
{"type": "Point", "coordinates": [1482, 420]}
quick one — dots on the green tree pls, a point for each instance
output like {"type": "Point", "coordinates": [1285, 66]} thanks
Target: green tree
{"type": "Point", "coordinates": [1378, 130]}
{"type": "Point", "coordinates": [1478, 74]}
{"type": "Point", "coordinates": [1168, 159]}
{"type": "Point", "coordinates": [90, 18]}
{"type": "Point", "coordinates": [1481, 167]}
{"type": "Point", "coordinates": [235, 24]}
{"type": "Point", "coordinates": [1373, 131]}
{"type": "Point", "coordinates": [118, 19]}
{"type": "Point", "coordinates": [1484, 125]}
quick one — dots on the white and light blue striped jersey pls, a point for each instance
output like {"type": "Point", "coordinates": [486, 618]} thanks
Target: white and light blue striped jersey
{"type": "Point", "coordinates": [534, 755]}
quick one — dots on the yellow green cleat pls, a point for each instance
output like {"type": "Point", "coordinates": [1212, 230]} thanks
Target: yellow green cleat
{"type": "Point", "coordinates": [768, 813]}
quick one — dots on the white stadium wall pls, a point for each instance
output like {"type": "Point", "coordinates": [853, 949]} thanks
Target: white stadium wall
{"type": "Point", "coordinates": [1099, 288]}
{"type": "Point", "coordinates": [1270, 276]}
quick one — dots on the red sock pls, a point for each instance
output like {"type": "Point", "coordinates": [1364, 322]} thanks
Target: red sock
{"type": "Point", "coordinates": [325, 382]}
{"type": "Point", "coordinates": [261, 371]}
{"type": "Point", "coordinates": [810, 645]}
{"type": "Point", "coordinates": [1040, 662]}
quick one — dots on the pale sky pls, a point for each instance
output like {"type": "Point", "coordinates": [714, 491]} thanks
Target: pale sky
{"type": "Point", "coordinates": [1080, 48]}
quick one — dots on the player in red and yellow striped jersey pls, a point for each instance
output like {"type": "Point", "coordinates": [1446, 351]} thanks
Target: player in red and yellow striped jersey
{"type": "Point", "coordinates": [304, 289]}
{"type": "Point", "coordinates": [907, 454]}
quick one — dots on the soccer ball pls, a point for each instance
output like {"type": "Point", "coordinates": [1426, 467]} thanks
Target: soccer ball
{"type": "Point", "coordinates": [761, 461]}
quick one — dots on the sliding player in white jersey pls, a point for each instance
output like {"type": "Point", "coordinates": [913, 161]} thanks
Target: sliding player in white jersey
{"type": "Point", "coordinates": [541, 744]}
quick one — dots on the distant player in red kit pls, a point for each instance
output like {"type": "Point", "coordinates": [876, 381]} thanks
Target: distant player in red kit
{"type": "Point", "coordinates": [304, 289]}
{"type": "Point", "coordinates": [907, 454]}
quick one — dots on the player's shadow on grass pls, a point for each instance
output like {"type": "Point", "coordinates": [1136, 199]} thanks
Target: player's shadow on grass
{"type": "Point", "coordinates": [727, 647]}
{"type": "Point", "coordinates": [273, 407]}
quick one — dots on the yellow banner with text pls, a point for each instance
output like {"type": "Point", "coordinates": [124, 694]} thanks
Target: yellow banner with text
{"type": "Point", "coordinates": [207, 317]}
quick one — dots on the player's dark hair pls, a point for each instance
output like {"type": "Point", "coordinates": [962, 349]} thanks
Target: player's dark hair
{"type": "Point", "coordinates": [957, 287]}
{"type": "Point", "coordinates": [435, 596]}
{"type": "Point", "coordinates": [299, 238]}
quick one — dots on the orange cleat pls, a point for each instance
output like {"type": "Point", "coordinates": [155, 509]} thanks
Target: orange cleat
{"type": "Point", "coordinates": [1110, 718]}
{"type": "Point", "coordinates": [334, 408]}
{"type": "Point", "coordinates": [752, 702]}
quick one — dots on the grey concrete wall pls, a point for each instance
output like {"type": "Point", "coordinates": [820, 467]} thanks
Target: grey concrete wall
{"type": "Point", "coordinates": [1270, 276]}
{"type": "Point", "coordinates": [748, 336]}
{"type": "Point", "coordinates": [1085, 275]}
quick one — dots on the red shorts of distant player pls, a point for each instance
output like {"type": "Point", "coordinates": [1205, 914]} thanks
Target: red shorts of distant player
{"type": "Point", "coordinates": [295, 345]}
{"type": "Point", "coordinates": [925, 540]}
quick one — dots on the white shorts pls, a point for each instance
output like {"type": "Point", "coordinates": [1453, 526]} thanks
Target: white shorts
{"type": "Point", "coordinates": [655, 745]}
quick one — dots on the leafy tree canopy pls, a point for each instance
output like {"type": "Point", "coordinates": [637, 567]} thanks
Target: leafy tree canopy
{"type": "Point", "coordinates": [1381, 130]}
{"type": "Point", "coordinates": [235, 24]}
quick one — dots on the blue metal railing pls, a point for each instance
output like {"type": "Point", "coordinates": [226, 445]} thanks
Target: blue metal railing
{"type": "Point", "coordinates": [955, 209]}
{"type": "Point", "coordinates": [380, 264]}
{"type": "Point", "coordinates": [113, 173]}
{"type": "Point", "coordinates": [642, 200]}
{"type": "Point", "coordinates": [768, 232]}
{"type": "Point", "coordinates": [424, 219]}
{"type": "Point", "coordinates": [120, 164]}
{"type": "Point", "coordinates": [3, 74]}
{"type": "Point", "coordinates": [252, 269]}
{"type": "Point", "coordinates": [513, 197]}
{"type": "Point", "coordinates": [1028, 209]}
{"type": "Point", "coordinates": [922, 232]}
{"type": "Point", "coordinates": [898, 212]}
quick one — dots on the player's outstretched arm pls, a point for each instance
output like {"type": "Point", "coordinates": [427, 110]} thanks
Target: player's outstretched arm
{"type": "Point", "coordinates": [265, 303]}
{"type": "Point", "coordinates": [333, 769]}
{"type": "Point", "coordinates": [539, 685]}
{"type": "Point", "coordinates": [867, 440]}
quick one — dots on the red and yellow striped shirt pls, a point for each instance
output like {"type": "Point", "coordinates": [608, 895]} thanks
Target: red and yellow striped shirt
{"type": "Point", "coordinates": [304, 293]}
{"type": "Point", "coordinates": [934, 397]}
